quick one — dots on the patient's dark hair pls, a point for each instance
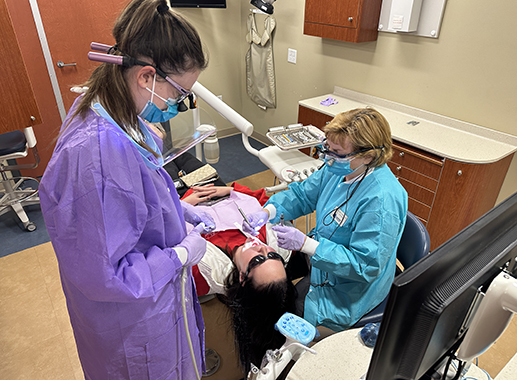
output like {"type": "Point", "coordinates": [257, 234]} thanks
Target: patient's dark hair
{"type": "Point", "coordinates": [255, 310]}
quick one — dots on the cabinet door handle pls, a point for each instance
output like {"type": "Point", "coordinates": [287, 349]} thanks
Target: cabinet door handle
{"type": "Point", "coordinates": [401, 154]}
{"type": "Point", "coordinates": [399, 168]}
{"type": "Point", "coordinates": [460, 172]}
{"type": "Point", "coordinates": [350, 19]}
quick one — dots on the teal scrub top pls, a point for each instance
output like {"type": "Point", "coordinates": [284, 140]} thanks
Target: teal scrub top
{"type": "Point", "coordinates": [354, 264]}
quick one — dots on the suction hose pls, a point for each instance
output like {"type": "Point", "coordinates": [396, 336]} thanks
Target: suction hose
{"type": "Point", "coordinates": [184, 276]}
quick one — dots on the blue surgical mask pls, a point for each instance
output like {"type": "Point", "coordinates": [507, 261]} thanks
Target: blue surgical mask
{"type": "Point", "coordinates": [339, 166]}
{"type": "Point", "coordinates": [153, 114]}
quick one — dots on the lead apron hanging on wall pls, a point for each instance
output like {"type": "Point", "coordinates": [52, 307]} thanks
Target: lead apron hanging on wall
{"type": "Point", "coordinates": [260, 67]}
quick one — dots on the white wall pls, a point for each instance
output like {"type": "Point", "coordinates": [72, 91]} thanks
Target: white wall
{"type": "Point", "coordinates": [468, 73]}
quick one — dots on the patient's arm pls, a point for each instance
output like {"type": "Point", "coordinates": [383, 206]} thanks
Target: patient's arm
{"type": "Point", "coordinates": [204, 193]}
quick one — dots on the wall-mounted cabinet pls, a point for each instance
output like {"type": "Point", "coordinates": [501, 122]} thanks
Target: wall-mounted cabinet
{"type": "Point", "coordinates": [345, 20]}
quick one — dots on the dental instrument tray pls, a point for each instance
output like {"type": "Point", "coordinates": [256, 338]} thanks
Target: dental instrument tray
{"type": "Point", "coordinates": [295, 136]}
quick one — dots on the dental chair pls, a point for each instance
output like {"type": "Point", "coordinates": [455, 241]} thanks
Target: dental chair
{"type": "Point", "coordinates": [287, 165]}
{"type": "Point", "coordinates": [414, 245]}
{"type": "Point", "coordinates": [15, 191]}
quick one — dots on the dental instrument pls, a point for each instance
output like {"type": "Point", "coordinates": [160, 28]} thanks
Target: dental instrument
{"type": "Point", "coordinates": [242, 212]}
{"type": "Point", "coordinates": [261, 221]}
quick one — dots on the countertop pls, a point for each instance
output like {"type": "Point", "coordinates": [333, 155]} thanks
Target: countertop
{"type": "Point", "coordinates": [344, 356]}
{"type": "Point", "coordinates": [446, 137]}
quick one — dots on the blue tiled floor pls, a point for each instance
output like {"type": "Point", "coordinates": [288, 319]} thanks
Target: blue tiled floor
{"type": "Point", "coordinates": [234, 163]}
{"type": "Point", "coordinates": [14, 238]}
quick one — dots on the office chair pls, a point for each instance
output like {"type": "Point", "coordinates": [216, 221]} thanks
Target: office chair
{"type": "Point", "coordinates": [414, 244]}
{"type": "Point", "coordinates": [16, 192]}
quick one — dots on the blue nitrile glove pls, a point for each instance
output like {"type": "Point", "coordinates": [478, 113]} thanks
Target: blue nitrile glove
{"type": "Point", "coordinates": [195, 217]}
{"type": "Point", "coordinates": [256, 221]}
{"type": "Point", "coordinates": [289, 237]}
{"type": "Point", "coordinates": [195, 246]}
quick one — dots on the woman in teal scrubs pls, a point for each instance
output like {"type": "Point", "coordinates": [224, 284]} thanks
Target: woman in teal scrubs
{"type": "Point", "coordinates": [360, 215]}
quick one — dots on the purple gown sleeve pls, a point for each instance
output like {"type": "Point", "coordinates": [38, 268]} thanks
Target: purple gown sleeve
{"type": "Point", "coordinates": [113, 221]}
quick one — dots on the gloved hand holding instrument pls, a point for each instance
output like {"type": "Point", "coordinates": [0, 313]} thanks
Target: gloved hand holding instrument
{"type": "Point", "coordinates": [195, 217]}
{"type": "Point", "coordinates": [193, 247]}
{"type": "Point", "coordinates": [289, 237]}
{"type": "Point", "coordinates": [253, 222]}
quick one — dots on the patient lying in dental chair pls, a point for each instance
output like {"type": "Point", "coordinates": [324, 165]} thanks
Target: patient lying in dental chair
{"type": "Point", "coordinates": [250, 275]}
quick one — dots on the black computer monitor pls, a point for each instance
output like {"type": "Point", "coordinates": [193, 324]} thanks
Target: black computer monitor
{"type": "Point", "coordinates": [431, 304]}
{"type": "Point", "coordinates": [198, 3]}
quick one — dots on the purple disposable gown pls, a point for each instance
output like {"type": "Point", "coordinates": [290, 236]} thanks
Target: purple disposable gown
{"type": "Point", "coordinates": [113, 223]}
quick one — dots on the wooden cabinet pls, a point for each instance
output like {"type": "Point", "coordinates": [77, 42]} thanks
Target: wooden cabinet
{"type": "Point", "coordinates": [446, 195]}
{"type": "Point", "coordinates": [345, 20]}
{"type": "Point", "coordinates": [17, 100]}
{"type": "Point", "coordinates": [419, 172]}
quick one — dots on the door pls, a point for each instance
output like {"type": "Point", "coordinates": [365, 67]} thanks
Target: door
{"type": "Point", "coordinates": [17, 100]}
{"type": "Point", "coordinates": [70, 26]}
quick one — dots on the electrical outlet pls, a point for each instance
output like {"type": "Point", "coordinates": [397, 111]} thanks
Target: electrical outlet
{"type": "Point", "coordinates": [291, 55]}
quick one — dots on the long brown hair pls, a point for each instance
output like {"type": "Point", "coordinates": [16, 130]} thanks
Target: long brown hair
{"type": "Point", "coordinates": [146, 30]}
{"type": "Point", "coordinates": [254, 311]}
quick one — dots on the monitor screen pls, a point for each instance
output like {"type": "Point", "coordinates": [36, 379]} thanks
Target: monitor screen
{"type": "Point", "coordinates": [431, 304]}
{"type": "Point", "coordinates": [198, 3]}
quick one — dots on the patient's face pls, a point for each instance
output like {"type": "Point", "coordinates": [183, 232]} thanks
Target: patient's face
{"type": "Point", "coordinates": [270, 270]}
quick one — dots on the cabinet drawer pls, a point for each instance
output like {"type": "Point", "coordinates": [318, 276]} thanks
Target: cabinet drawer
{"type": "Point", "coordinates": [419, 209]}
{"type": "Point", "coordinates": [412, 176]}
{"type": "Point", "coordinates": [418, 161]}
{"type": "Point", "coordinates": [419, 193]}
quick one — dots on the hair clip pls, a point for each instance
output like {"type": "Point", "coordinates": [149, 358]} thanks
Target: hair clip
{"type": "Point", "coordinates": [162, 8]}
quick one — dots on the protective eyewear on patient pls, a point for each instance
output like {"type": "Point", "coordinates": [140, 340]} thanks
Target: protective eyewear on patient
{"type": "Point", "coordinates": [261, 259]}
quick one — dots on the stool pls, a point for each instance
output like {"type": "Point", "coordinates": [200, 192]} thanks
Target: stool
{"type": "Point", "coordinates": [17, 191]}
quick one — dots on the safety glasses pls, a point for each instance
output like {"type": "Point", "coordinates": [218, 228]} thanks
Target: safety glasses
{"type": "Point", "coordinates": [261, 259]}
{"type": "Point", "coordinates": [325, 149]}
{"type": "Point", "coordinates": [184, 93]}
{"type": "Point", "coordinates": [108, 56]}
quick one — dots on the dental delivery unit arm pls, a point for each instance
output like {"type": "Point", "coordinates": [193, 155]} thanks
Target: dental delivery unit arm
{"type": "Point", "coordinates": [287, 165]}
{"type": "Point", "coordinates": [228, 113]}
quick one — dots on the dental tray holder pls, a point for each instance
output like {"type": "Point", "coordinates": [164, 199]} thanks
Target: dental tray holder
{"type": "Point", "coordinates": [299, 333]}
{"type": "Point", "coordinates": [295, 136]}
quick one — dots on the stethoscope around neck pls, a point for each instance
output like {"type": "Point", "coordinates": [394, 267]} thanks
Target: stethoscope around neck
{"type": "Point", "coordinates": [147, 156]}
